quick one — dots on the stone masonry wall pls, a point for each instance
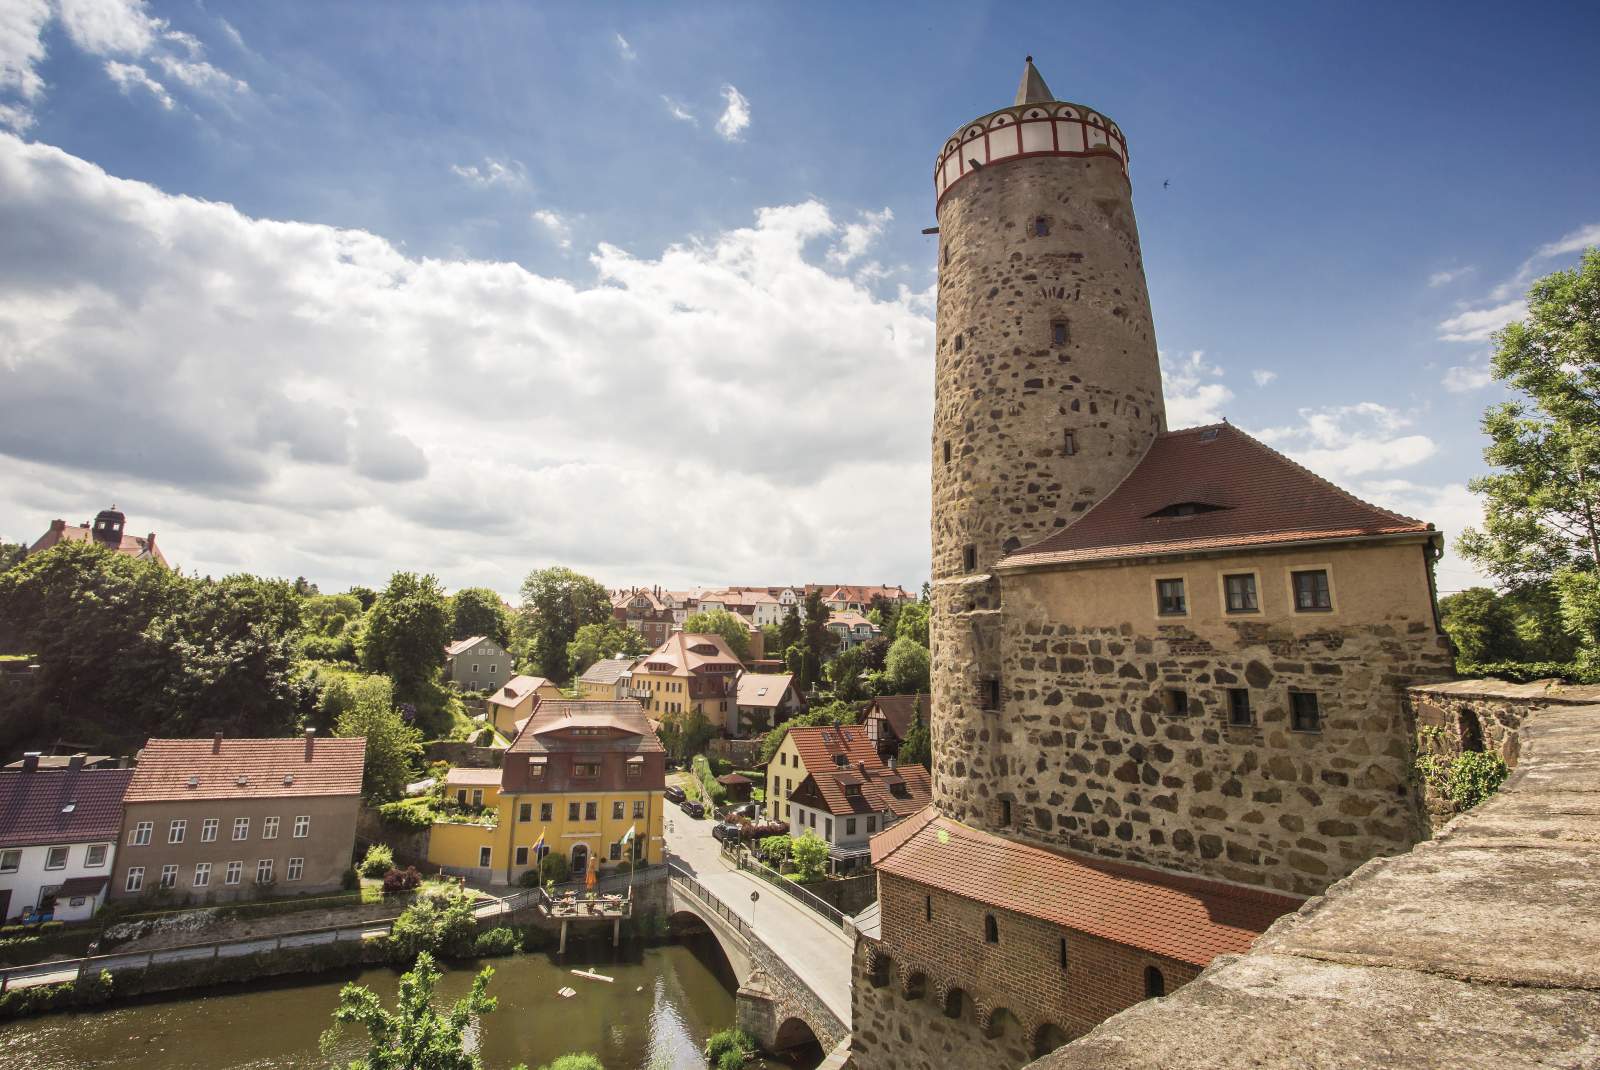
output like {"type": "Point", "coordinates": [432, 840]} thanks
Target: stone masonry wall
{"type": "Point", "coordinates": [1088, 758]}
{"type": "Point", "coordinates": [1014, 998]}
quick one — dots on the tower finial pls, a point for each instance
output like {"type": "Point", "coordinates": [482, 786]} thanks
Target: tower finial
{"type": "Point", "coordinates": [1032, 90]}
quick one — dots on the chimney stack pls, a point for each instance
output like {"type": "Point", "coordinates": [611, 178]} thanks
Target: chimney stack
{"type": "Point", "coordinates": [58, 525]}
{"type": "Point", "coordinates": [75, 762]}
{"type": "Point", "coordinates": [216, 743]}
{"type": "Point", "coordinates": [311, 742]}
{"type": "Point", "coordinates": [893, 761]}
{"type": "Point", "coordinates": [30, 761]}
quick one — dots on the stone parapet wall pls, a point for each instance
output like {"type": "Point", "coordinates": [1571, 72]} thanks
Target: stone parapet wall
{"type": "Point", "coordinates": [1478, 950]}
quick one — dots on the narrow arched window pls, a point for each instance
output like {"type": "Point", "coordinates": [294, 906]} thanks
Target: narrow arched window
{"type": "Point", "coordinates": [1041, 227]}
{"type": "Point", "coordinates": [947, 453]}
{"type": "Point", "coordinates": [959, 343]}
{"type": "Point", "coordinates": [1155, 985]}
{"type": "Point", "coordinates": [991, 929]}
{"type": "Point", "coordinates": [1063, 952]}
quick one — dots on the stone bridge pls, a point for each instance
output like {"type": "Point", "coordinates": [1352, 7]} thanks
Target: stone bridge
{"type": "Point", "coordinates": [776, 1005]}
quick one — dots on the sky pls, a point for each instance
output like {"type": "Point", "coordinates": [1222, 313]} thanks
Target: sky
{"type": "Point", "coordinates": [332, 290]}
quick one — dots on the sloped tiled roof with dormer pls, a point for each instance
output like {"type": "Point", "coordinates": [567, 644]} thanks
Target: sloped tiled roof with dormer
{"type": "Point", "coordinates": [171, 770]}
{"type": "Point", "coordinates": [46, 806]}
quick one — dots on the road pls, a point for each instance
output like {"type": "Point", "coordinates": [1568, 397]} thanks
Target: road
{"type": "Point", "coordinates": [815, 949]}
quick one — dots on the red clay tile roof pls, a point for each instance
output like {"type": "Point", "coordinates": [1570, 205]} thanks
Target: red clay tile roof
{"type": "Point", "coordinates": [897, 710]}
{"type": "Point", "coordinates": [270, 768]}
{"type": "Point", "coordinates": [623, 722]}
{"type": "Point", "coordinates": [132, 545]}
{"type": "Point", "coordinates": [820, 745]}
{"type": "Point", "coordinates": [1248, 493]}
{"type": "Point", "coordinates": [825, 790]}
{"type": "Point", "coordinates": [33, 806]}
{"type": "Point", "coordinates": [469, 777]}
{"type": "Point", "coordinates": [680, 651]}
{"type": "Point", "coordinates": [1184, 918]}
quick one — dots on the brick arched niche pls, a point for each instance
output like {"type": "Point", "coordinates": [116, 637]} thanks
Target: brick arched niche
{"type": "Point", "coordinates": [1047, 1038]}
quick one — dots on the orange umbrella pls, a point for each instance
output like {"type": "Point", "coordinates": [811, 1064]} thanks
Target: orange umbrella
{"type": "Point", "coordinates": [594, 869]}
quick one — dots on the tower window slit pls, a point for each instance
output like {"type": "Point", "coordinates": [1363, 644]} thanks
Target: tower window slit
{"type": "Point", "coordinates": [947, 453]}
{"type": "Point", "coordinates": [1041, 227]}
{"type": "Point", "coordinates": [959, 343]}
{"type": "Point", "coordinates": [1069, 441]}
{"type": "Point", "coordinates": [1059, 333]}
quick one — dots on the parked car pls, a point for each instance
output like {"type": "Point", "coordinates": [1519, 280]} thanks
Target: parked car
{"type": "Point", "coordinates": [726, 831]}
{"type": "Point", "coordinates": [675, 793]}
{"type": "Point", "coordinates": [692, 808]}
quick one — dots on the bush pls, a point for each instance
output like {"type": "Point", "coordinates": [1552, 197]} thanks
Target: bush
{"type": "Point", "coordinates": [401, 880]}
{"type": "Point", "coordinates": [442, 927]}
{"type": "Point", "coordinates": [554, 868]}
{"type": "Point", "coordinates": [810, 854]}
{"type": "Point", "coordinates": [715, 793]}
{"type": "Point", "coordinates": [495, 942]}
{"type": "Point", "coordinates": [379, 860]}
{"type": "Point", "coordinates": [412, 815]}
{"type": "Point", "coordinates": [18, 1002]}
{"type": "Point", "coordinates": [529, 879]}
{"type": "Point", "coordinates": [1526, 672]}
{"type": "Point", "coordinates": [775, 849]}
{"type": "Point", "coordinates": [1473, 777]}
{"type": "Point", "coordinates": [576, 1060]}
{"type": "Point", "coordinates": [732, 1060]}
{"type": "Point", "coordinates": [729, 1049]}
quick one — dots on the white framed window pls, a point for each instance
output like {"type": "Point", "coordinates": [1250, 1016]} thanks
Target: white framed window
{"type": "Point", "coordinates": [202, 874]}
{"type": "Point", "coordinates": [264, 871]}
{"type": "Point", "coordinates": [208, 830]}
{"type": "Point", "coordinates": [269, 828]}
{"type": "Point", "coordinates": [492, 668]}
{"type": "Point", "coordinates": [232, 874]}
{"type": "Point", "coordinates": [1171, 599]}
{"type": "Point", "coordinates": [169, 876]}
{"type": "Point", "coordinates": [140, 835]}
{"type": "Point", "coordinates": [56, 858]}
{"type": "Point", "coordinates": [302, 826]}
{"type": "Point", "coordinates": [10, 861]}
{"type": "Point", "coordinates": [297, 869]}
{"type": "Point", "coordinates": [484, 855]}
{"type": "Point", "coordinates": [241, 828]}
{"type": "Point", "coordinates": [95, 856]}
{"type": "Point", "coordinates": [177, 830]}
{"type": "Point", "coordinates": [477, 796]}
{"type": "Point", "coordinates": [1240, 593]}
{"type": "Point", "coordinates": [135, 879]}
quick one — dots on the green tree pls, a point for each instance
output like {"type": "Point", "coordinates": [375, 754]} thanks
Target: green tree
{"type": "Point", "coordinates": [10, 553]}
{"type": "Point", "coordinates": [393, 747]}
{"type": "Point", "coordinates": [365, 595]}
{"type": "Point", "coordinates": [916, 747]}
{"type": "Point", "coordinates": [810, 856]}
{"type": "Point", "coordinates": [912, 623]}
{"type": "Point", "coordinates": [556, 602]}
{"type": "Point", "coordinates": [732, 627]}
{"type": "Point", "coordinates": [788, 630]}
{"type": "Point", "coordinates": [414, 1036]}
{"type": "Point", "coordinates": [479, 611]}
{"type": "Point", "coordinates": [1481, 624]}
{"type": "Point", "coordinates": [888, 615]}
{"type": "Point", "coordinates": [407, 629]}
{"type": "Point", "coordinates": [907, 666]}
{"type": "Point", "coordinates": [603, 639]}
{"type": "Point", "coordinates": [845, 672]}
{"type": "Point", "coordinates": [817, 643]}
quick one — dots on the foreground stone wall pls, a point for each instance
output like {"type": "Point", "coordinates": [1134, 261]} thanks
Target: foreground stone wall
{"type": "Point", "coordinates": [1479, 950]}
{"type": "Point", "coordinates": [1470, 715]}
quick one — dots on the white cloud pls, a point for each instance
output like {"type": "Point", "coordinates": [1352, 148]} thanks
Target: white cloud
{"type": "Point", "coordinates": [1192, 397]}
{"type": "Point", "coordinates": [509, 173]}
{"type": "Point", "coordinates": [104, 27]}
{"type": "Point", "coordinates": [1445, 278]}
{"type": "Point", "coordinates": [1476, 325]}
{"type": "Point", "coordinates": [624, 49]}
{"type": "Point", "coordinates": [858, 237]}
{"type": "Point", "coordinates": [735, 116]}
{"type": "Point", "coordinates": [678, 111]}
{"type": "Point", "coordinates": [1449, 507]}
{"type": "Point", "coordinates": [22, 24]}
{"type": "Point", "coordinates": [1262, 376]}
{"type": "Point", "coordinates": [1465, 378]}
{"type": "Point", "coordinates": [292, 398]}
{"type": "Point", "coordinates": [1342, 441]}
{"type": "Point", "coordinates": [557, 227]}
{"type": "Point", "coordinates": [1572, 242]}
{"type": "Point", "coordinates": [131, 76]}
{"type": "Point", "coordinates": [202, 76]}
{"type": "Point", "coordinates": [15, 117]}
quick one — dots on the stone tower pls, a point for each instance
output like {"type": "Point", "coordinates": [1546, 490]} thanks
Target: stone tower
{"type": "Point", "coordinates": [1047, 386]}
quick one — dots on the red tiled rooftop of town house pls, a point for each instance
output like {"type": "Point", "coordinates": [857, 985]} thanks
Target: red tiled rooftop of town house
{"type": "Point", "coordinates": [622, 723]}
{"type": "Point", "coordinates": [1184, 918]}
{"type": "Point", "coordinates": [1242, 493]}
{"type": "Point", "coordinates": [826, 789]}
{"type": "Point", "coordinates": [34, 805]}
{"type": "Point", "coordinates": [516, 689]}
{"type": "Point", "coordinates": [174, 769]}
{"type": "Point", "coordinates": [821, 745]}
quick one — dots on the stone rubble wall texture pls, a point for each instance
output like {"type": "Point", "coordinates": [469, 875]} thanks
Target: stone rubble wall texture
{"type": "Point", "coordinates": [1478, 950]}
{"type": "Point", "coordinates": [1011, 990]}
{"type": "Point", "coordinates": [1089, 760]}
{"type": "Point", "coordinates": [1468, 715]}
{"type": "Point", "coordinates": [774, 999]}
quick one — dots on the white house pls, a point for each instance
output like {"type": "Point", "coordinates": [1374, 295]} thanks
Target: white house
{"type": "Point", "coordinates": [58, 839]}
{"type": "Point", "coordinates": [847, 804]}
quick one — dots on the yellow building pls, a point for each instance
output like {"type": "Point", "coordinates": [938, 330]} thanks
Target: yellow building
{"type": "Point", "coordinates": [514, 702]}
{"type": "Point", "coordinates": [689, 674]}
{"type": "Point", "coordinates": [608, 678]}
{"type": "Point", "coordinates": [576, 779]}
{"type": "Point", "coordinates": [810, 749]}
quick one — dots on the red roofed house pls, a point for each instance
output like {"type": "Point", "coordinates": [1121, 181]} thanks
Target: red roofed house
{"type": "Point", "coordinates": [107, 531]}
{"type": "Point", "coordinates": [847, 804]}
{"type": "Point", "coordinates": [211, 820]}
{"type": "Point", "coordinates": [889, 717]}
{"type": "Point", "coordinates": [688, 674]}
{"type": "Point", "coordinates": [58, 838]}
{"type": "Point", "coordinates": [807, 749]}
{"type": "Point", "coordinates": [514, 702]}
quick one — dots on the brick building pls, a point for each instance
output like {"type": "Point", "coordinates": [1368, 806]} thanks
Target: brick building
{"type": "Point", "coordinates": [108, 531]}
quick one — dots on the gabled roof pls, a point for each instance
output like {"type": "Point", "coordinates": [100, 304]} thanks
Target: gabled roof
{"type": "Point", "coordinates": [49, 806]}
{"type": "Point", "coordinates": [764, 689]}
{"type": "Point", "coordinates": [182, 769]}
{"type": "Point", "coordinates": [679, 652]}
{"type": "Point", "coordinates": [898, 710]}
{"type": "Point", "coordinates": [851, 620]}
{"type": "Point", "coordinates": [1236, 492]}
{"type": "Point", "coordinates": [830, 790]}
{"type": "Point", "coordinates": [1184, 918]}
{"type": "Point", "coordinates": [621, 722]}
{"type": "Point", "coordinates": [461, 646]}
{"type": "Point", "coordinates": [468, 777]}
{"type": "Point", "coordinates": [820, 746]}
{"type": "Point", "coordinates": [606, 670]}
{"type": "Point", "coordinates": [517, 689]}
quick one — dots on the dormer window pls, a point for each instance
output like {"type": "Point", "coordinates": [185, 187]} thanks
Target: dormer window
{"type": "Point", "coordinates": [1186, 509]}
{"type": "Point", "coordinates": [841, 760]}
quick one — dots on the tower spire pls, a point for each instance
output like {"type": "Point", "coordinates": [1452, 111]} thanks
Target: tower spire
{"type": "Point", "coordinates": [1032, 89]}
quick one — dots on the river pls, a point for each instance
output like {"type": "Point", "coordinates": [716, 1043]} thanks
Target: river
{"type": "Point", "coordinates": [655, 1015]}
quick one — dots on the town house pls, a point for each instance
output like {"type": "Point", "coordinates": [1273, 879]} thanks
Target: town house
{"type": "Point", "coordinates": [608, 678]}
{"type": "Point", "coordinates": [58, 838]}
{"type": "Point", "coordinates": [514, 702]}
{"type": "Point", "coordinates": [477, 663]}
{"type": "Point", "coordinates": [809, 748]}
{"type": "Point", "coordinates": [846, 804]}
{"type": "Point", "coordinates": [889, 717]}
{"type": "Point", "coordinates": [690, 674]}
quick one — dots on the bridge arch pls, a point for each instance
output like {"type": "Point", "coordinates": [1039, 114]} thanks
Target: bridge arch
{"type": "Point", "coordinates": [794, 1033]}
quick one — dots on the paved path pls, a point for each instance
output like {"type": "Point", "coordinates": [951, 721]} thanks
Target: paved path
{"type": "Point", "coordinates": [815, 949]}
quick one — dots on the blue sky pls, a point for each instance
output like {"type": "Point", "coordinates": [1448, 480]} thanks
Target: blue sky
{"type": "Point", "coordinates": [642, 289]}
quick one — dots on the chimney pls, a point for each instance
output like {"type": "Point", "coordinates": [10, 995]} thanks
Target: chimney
{"type": "Point", "coordinates": [30, 761]}
{"type": "Point", "coordinates": [893, 761]}
{"type": "Point", "coordinates": [75, 762]}
{"type": "Point", "coordinates": [311, 742]}
{"type": "Point", "coordinates": [58, 525]}
{"type": "Point", "coordinates": [151, 541]}
{"type": "Point", "coordinates": [216, 743]}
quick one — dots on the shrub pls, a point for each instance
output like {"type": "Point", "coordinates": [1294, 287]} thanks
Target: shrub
{"type": "Point", "coordinates": [729, 1049]}
{"type": "Point", "coordinates": [1526, 672]}
{"type": "Point", "coordinates": [379, 860]}
{"type": "Point", "coordinates": [776, 848]}
{"type": "Point", "coordinates": [1473, 777]}
{"type": "Point", "coordinates": [576, 1060]}
{"type": "Point", "coordinates": [554, 868]}
{"type": "Point", "coordinates": [401, 880]}
{"type": "Point", "coordinates": [495, 942]}
{"type": "Point", "coordinates": [810, 854]}
{"type": "Point", "coordinates": [732, 1060]}
{"type": "Point", "coordinates": [529, 879]}
{"type": "Point", "coordinates": [18, 1002]}
{"type": "Point", "coordinates": [412, 815]}
{"type": "Point", "coordinates": [441, 926]}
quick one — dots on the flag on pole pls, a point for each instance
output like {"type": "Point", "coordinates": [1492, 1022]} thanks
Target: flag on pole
{"type": "Point", "coordinates": [538, 845]}
{"type": "Point", "coordinates": [627, 841]}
